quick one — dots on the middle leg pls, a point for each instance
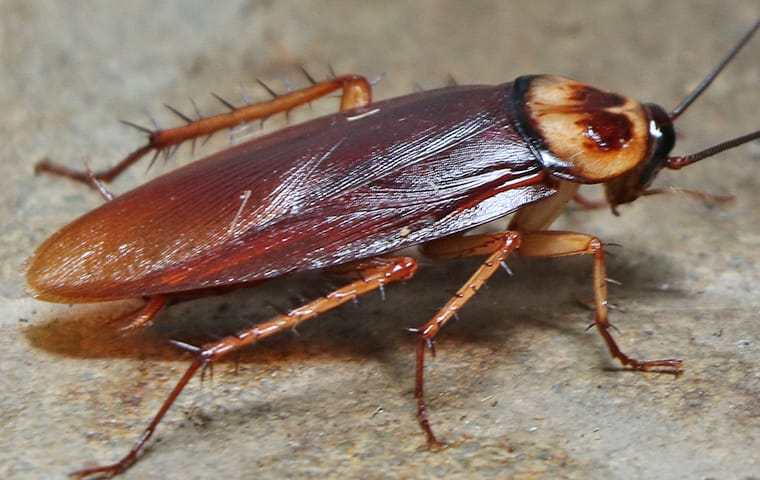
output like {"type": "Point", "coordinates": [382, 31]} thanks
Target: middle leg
{"type": "Point", "coordinates": [498, 246]}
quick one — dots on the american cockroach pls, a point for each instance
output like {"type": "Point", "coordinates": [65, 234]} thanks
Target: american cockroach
{"type": "Point", "coordinates": [344, 191]}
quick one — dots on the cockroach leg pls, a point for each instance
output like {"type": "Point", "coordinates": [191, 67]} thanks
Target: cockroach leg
{"type": "Point", "coordinates": [498, 246]}
{"type": "Point", "coordinates": [357, 92]}
{"type": "Point", "coordinates": [97, 184]}
{"type": "Point", "coordinates": [145, 315]}
{"type": "Point", "coordinates": [379, 272]}
{"type": "Point", "coordinates": [48, 166]}
{"type": "Point", "coordinates": [110, 471]}
{"type": "Point", "coordinates": [422, 416]}
{"type": "Point", "coordinates": [375, 276]}
{"type": "Point", "coordinates": [557, 244]}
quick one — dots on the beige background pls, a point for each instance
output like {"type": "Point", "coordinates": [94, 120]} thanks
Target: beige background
{"type": "Point", "coordinates": [517, 380]}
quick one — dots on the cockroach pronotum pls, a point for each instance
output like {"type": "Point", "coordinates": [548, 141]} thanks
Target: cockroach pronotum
{"type": "Point", "coordinates": [343, 191]}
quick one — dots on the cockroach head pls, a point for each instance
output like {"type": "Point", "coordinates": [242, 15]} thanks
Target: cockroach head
{"type": "Point", "coordinates": [632, 184]}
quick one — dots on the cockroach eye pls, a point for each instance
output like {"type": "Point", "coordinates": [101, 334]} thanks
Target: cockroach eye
{"type": "Point", "coordinates": [662, 139]}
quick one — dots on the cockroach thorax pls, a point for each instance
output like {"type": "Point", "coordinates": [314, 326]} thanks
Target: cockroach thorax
{"type": "Point", "coordinates": [577, 131]}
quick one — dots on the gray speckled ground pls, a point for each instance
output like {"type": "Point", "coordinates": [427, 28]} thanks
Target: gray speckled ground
{"type": "Point", "coordinates": [517, 380]}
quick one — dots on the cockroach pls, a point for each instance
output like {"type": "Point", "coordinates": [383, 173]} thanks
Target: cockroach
{"type": "Point", "coordinates": [345, 191]}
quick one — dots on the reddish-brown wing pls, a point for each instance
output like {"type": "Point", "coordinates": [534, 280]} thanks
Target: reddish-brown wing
{"type": "Point", "coordinates": [342, 187]}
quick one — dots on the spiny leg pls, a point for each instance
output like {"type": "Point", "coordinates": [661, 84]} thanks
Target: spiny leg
{"type": "Point", "coordinates": [376, 275]}
{"type": "Point", "coordinates": [557, 244]}
{"type": "Point", "coordinates": [498, 246]}
{"type": "Point", "coordinates": [357, 92]}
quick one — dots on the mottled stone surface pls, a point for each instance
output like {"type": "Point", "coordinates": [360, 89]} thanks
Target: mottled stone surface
{"type": "Point", "coordinates": [517, 382]}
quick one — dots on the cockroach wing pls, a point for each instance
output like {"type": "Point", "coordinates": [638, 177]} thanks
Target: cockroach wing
{"type": "Point", "coordinates": [346, 186]}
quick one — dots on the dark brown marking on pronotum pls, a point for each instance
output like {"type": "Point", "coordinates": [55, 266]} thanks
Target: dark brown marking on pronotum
{"type": "Point", "coordinates": [595, 99]}
{"type": "Point", "coordinates": [347, 190]}
{"type": "Point", "coordinates": [606, 131]}
{"type": "Point", "coordinates": [581, 133]}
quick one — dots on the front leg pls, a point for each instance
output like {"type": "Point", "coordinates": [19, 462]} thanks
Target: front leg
{"type": "Point", "coordinates": [498, 246]}
{"type": "Point", "coordinates": [558, 244]}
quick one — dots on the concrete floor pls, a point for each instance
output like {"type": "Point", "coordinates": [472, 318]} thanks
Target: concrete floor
{"type": "Point", "coordinates": [517, 382]}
